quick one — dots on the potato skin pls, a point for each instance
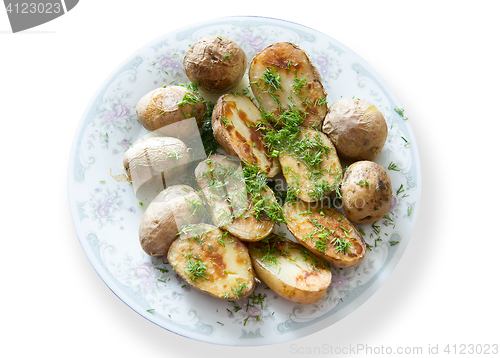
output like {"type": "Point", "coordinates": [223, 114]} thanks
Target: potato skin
{"type": "Point", "coordinates": [313, 225]}
{"type": "Point", "coordinates": [173, 207]}
{"type": "Point", "coordinates": [291, 64]}
{"type": "Point", "coordinates": [155, 160]}
{"type": "Point", "coordinates": [357, 129]}
{"type": "Point", "coordinates": [227, 270]}
{"type": "Point", "coordinates": [290, 270]}
{"type": "Point", "coordinates": [216, 63]}
{"type": "Point", "coordinates": [159, 111]}
{"type": "Point", "coordinates": [366, 192]}
{"type": "Point", "coordinates": [234, 119]}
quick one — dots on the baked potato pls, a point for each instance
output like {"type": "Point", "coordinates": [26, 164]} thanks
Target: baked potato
{"type": "Point", "coordinates": [357, 129]}
{"type": "Point", "coordinates": [310, 166]}
{"type": "Point", "coordinates": [213, 262]}
{"type": "Point", "coordinates": [222, 183]}
{"type": "Point", "coordinates": [366, 192]}
{"type": "Point", "coordinates": [171, 209]}
{"type": "Point", "coordinates": [155, 162]}
{"type": "Point", "coordinates": [216, 63]}
{"type": "Point", "coordinates": [165, 110]}
{"type": "Point", "coordinates": [290, 270]}
{"type": "Point", "coordinates": [239, 129]}
{"type": "Point", "coordinates": [326, 233]}
{"type": "Point", "coordinates": [282, 76]}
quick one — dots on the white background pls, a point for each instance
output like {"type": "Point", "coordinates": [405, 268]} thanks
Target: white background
{"type": "Point", "coordinates": [440, 58]}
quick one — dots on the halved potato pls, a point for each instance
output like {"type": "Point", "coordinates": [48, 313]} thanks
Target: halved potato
{"type": "Point", "coordinates": [283, 76]}
{"type": "Point", "coordinates": [325, 233]}
{"type": "Point", "coordinates": [290, 270]}
{"type": "Point", "coordinates": [213, 261]}
{"type": "Point", "coordinates": [240, 130]}
{"type": "Point", "coordinates": [311, 166]}
{"type": "Point", "coordinates": [222, 183]}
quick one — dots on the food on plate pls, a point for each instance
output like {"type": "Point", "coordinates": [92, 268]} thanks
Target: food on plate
{"type": "Point", "coordinates": [290, 270]}
{"type": "Point", "coordinates": [325, 232]}
{"type": "Point", "coordinates": [366, 192]}
{"type": "Point", "coordinates": [216, 63]}
{"type": "Point", "coordinates": [357, 129]}
{"type": "Point", "coordinates": [171, 209]}
{"type": "Point", "coordinates": [165, 110]}
{"type": "Point", "coordinates": [238, 198]}
{"type": "Point", "coordinates": [282, 76]}
{"type": "Point", "coordinates": [213, 261]}
{"type": "Point", "coordinates": [239, 129]}
{"type": "Point", "coordinates": [155, 161]}
{"type": "Point", "coordinates": [310, 166]}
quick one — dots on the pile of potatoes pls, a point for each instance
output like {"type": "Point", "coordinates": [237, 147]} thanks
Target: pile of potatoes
{"type": "Point", "coordinates": [207, 230]}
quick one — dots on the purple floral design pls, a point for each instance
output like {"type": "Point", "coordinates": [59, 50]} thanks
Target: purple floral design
{"type": "Point", "coordinates": [104, 203]}
{"type": "Point", "coordinates": [145, 271]}
{"type": "Point", "coordinates": [339, 282]}
{"type": "Point", "coordinates": [257, 44]}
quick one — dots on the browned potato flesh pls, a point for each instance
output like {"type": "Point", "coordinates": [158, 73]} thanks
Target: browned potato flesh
{"type": "Point", "coordinates": [290, 270]}
{"type": "Point", "coordinates": [282, 76]}
{"type": "Point", "coordinates": [213, 261]}
{"type": "Point", "coordinates": [223, 186]}
{"type": "Point", "coordinates": [239, 129]}
{"type": "Point", "coordinates": [326, 233]}
{"type": "Point", "coordinates": [311, 166]}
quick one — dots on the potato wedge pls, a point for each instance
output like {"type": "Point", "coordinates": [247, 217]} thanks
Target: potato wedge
{"type": "Point", "coordinates": [290, 270]}
{"type": "Point", "coordinates": [213, 261]}
{"type": "Point", "coordinates": [239, 130]}
{"type": "Point", "coordinates": [223, 185]}
{"type": "Point", "coordinates": [282, 76]}
{"type": "Point", "coordinates": [325, 233]}
{"type": "Point", "coordinates": [311, 166]}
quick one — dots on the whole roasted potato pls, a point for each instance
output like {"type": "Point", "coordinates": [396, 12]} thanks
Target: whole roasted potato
{"type": "Point", "coordinates": [282, 76]}
{"type": "Point", "coordinates": [357, 129]}
{"type": "Point", "coordinates": [216, 63]}
{"type": "Point", "coordinates": [290, 270]}
{"type": "Point", "coordinates": [166, 110]}
{"type": "Point", "coordinates": [171, 209]}
{"type": "Point", "coordinates": [366, 191]}
{"type": "Point", "coordinates": [213, 261]}
{"type": "Point", "coordinates": [326, 233]}
{"type": "Point", "coordinates": [239, 129]}
{"type": "Point", "coordinates": [155, 161]}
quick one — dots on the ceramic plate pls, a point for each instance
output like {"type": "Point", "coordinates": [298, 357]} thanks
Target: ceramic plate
{"type": "Point", "coordinates": [106, 213]}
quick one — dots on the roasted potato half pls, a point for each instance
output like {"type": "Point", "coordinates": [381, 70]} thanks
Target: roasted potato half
{"type": "Point", "coordinates": [213, 261]}
{"type": "Point", "coordinates": [171, 209]}
{"type": "Point", "coordinates": [282, 76]}
{"type": "Point", "coordinates": [290, 270]}
{"type": "Point", "coordinates": [216, 63]}
{"type": "Point", "coordinates": [310, 166]}
{"type": "Point", "coordinates": [165, 110]}
{"type": "Point", "coordinates": [326, 233]}
{"type": "Point", "coordinates": [357, 129]}
{"type": "Point", "coordinates": [155, 161]}
{"type": "Point", "coordinates": [222, 183]}
{"type": "Point", "coordinates": [366, 192]}
{"type": "Point", "coordinates": [239, 129]}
